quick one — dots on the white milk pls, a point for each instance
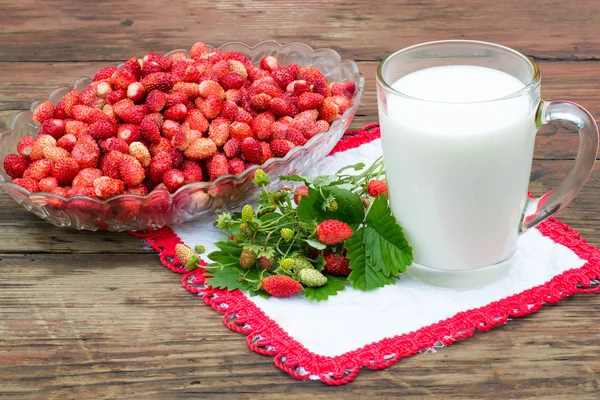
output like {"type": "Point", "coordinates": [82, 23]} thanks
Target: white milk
{"type": "Point", "coordinates": [458, 173]}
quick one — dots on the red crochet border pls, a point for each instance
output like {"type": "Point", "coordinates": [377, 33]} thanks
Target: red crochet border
{"type": "Point", "coordinates": [265, 337]}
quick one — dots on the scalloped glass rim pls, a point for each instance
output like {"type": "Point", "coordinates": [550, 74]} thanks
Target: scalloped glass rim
{"type": "Point", "coordinates": [205, 185]}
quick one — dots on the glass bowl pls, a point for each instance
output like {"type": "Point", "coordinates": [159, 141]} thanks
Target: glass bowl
{"type": "Point", "coordinates": [134, 212]}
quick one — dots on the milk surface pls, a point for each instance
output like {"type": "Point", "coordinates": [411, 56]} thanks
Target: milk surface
{"type": "Point", "coordinates": [458, 164]}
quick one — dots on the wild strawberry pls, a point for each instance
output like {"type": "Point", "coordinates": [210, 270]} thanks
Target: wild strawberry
{"type": "Point", "coordinates": [176, 157]}
{"type": "Point", "coordinates": [170, 129]}
{"type": "Point", "coordinates": [110, 163]}
{"type": "Point", "coordinates": [164, 62]}
{"type": "Point", "coordinates": [232, 148]}
{"type": "Point", "coordinates": [15, 165]}
{"type": "Point", "coordinates": [191, 172]}
{"type": "Point", "coordinates": [337, 264]}
{"type": "Point", "coordinates": [200, 149]}
{"type": "Point", "coordinates": [217, 166]}
{"type": "Point", "coordinates": [64, 108]}
{"type": "Point", "coordinates": [103, 90]}
{"type": "Point", "coordinates": [134, 114]}
{"type": "Point", "coordinates": [296, 88]}
{"type": "Point", "coordinates": [82, 191]}
{"type": "Point", "coordinates": [140, 152]}
{"type": "Point", "coordinates": [88, 96]}
{"type": "Point", "coordinates": [252, 150]}
{"type": "Point", "coordinates": [131, 171]}
{"type": "Point", "coordinates": [332, 231]}
{"type": "Point", "coordinates": [87, 114]}
{"type": "Point", "coordinates": [159, 80]}
{"type": "Point", "coordinates": [28, 183]}
{"type": "Point", "coordinates": [262, 125]}
{"type": "Point", "coordinates": [247, 259]}
{"type": "Point", "coordinates": [163, 145]}
{"type": "Point", "coordinates": [235, 95]}
{"type": "Point", "coordinates": [160, 164]}
{"type": "Point", "coordinates": [129, 133]}
{"type": "Point", "coordinates": [228, 110]}
{"type": "Point", "coordinates": [265, 263]}
{"type": "Point", "coordinates": [186, 72]}
{"type": "Point", "coordinates": [53, 127]}
{"type": "Point", "coordinates": [122, 78]}
{"type": "Point", "coordinates": [268, 86]}
{"type": "Point", "coordinates": [280, 147]}
{"type": "Point", "coordinates": [329, 111]}
{"type": "Point", "coordinates": [196, 120]}
{"type": "Point", "coordinates": [174, 99]}
{"type": "Point", "coordinates": [184, 253]}
{"type": "Point", "coordinates": [64, 170]}
{"type": "Point", "coordinates": [220, 68]}
{"type": "Point", "coordinates": [322, 126]}
{"type": "Point", "coordinates": [198, 50]}
{"type": "Point", "coordinates": [114, 143]}
{"type": "Point", "coordinates": [260, 101]}
{"type": "Point", "coordinates": [25, 145]}
{"type": "Point", "coordinates": [104, 73]}
{"type": "Point", "coordinates": [176, 113]}
{"type": "Point", "coordinates": [156, 101]}
{"type": "Point", "coordinates": [346, 89]}
{"type": "Point", "coordinates": [281, 286]}
{"type": "Point", "coordinates": [136, 92]}
{"type": "Point", "coordinates": [86, 177]}
{"type": "Point", "coordinates": [103, 130]}
{"type": "Point", "coordinates": [184, 137]}
{"type": "Point", "coordinates": [54, 153]}
{"type": "Point", "coordinates": [48, 184]}
{"type": "Point", "coordinates": [269, 63]}
{"type": "Point", "coordinates": [37, 150]}
{"type": "Point", "coordinates": [44, 111]}
{"type": "Point", "coordinates": [218, 131]}
{"type": "Point", "coordinates": [187, 88]}
{"type": "Point", "coordinates": [211, 88]}
{"type": "Point", "coordinates": [190, 105]}
{"type": "Point", "coordinates": [150, 68]}
{"type": "Point", "coordinates": [114, 96]}
{"type": "Point", "coordinates": [236, 166]}
{"type": "Point", "coordinates": [211, 107]}
{"type": "Point", "coordinates": [321, 87]}
{"type": "Point", "coordinates": [300, 191]}
{"type": "Point", "coordinates": [149, 130]}
{"type": "Point", "coordinates": [312, 278]}
{"type": "Point", "coordinates": [106, 187]}
{"type": "Point", "coordinates": [285, 75]}
{"type": "Point", "coordinates": [308, 101]}
{"type": "Point", "coordinates": [121, 105]}
{"type": "Point", "coordinates": [231, 55]}
{"type": "Point", "coordinates": [237, 67]}
{"type": "Point", "coordinates": [376, 188]}
{"type": "Point", "coordinates": [232, 81]}
{"type": "Point", "coordinates": [243, 116]}
{"type": "Point", "coordinates": [40, 169]}
{"type": "Point", "coordinates": [282, 107]}
{"type": "Point", "coordinates": [76, 128]}
{"type": "Point", "coordinates": [110, 114]}
{"type": "Point", "coordinates": [87, 154]}
{"type": "Point", "coordinates": [140, 190]}
{"type": "Point", "coordinates": [173, 179]}
{"type": "Point", "coordinates": [294, 136]}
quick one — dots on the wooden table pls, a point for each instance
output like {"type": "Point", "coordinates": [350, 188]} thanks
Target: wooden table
{"type": "Point", "coordinates": [93, 314]}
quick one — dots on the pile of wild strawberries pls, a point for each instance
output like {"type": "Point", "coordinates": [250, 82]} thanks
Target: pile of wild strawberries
{"type": "Point", "coordinates": [158, 123]}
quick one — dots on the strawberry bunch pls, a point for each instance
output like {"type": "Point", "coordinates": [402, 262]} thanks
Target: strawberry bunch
{"type": "Point", "coordinates": [312, 239]}
{"type": "Point", "coordinates": [158, 123]}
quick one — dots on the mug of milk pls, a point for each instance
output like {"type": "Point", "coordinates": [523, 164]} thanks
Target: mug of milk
{"type": "Point", "coordinates": [458, 122]}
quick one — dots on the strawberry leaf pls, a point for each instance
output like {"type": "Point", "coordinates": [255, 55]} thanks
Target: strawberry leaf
{"type": "Point", "coordinates": [227, 278]}
{"type": "Point", "coordinates": [350, 208]}
{"type": "Point", "coordinates": [334, 285]}
{"type": "Point", "coordinates": [364, 275]}
{"type": "Point", "coordinates": [316, 244]}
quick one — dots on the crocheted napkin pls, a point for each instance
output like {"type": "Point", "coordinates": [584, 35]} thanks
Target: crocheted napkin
{"type": "Point", "coordinates": [311, 340]}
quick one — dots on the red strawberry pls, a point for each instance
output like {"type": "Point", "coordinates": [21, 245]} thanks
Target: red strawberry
{"type": "Point", "coordinates": [122, 78]}
{"type": "Point", "coordinates": [122, 105]}
{"type": "Point", "coordinates": [262, 125]}
{"type": "Point", "coordinates": [65, 107]}
{"type": "Point", "coordinates": [133, 65]}
{"type": "Point", "coordinates": [54, 153]}
{"type": "Point", "coordinates": [37, 150]}
{"type": "Point", "coordinates": [15, 165]}
{"type": "Point", "coordinates": [285, 75]}
{"type": "Point", "coordinates": [200, 149]}
{"type": "Point", "coordinates": [160, 164]}
{"type": "Point", "coordinates": [294, 136]}
{"type": "Point", "coordinates": [188, 88]}
{"type": "Point", "coordinates": [346, 89]}
{"type": "Point", "coordinates": [186, 72]}
{"type": "Point", "coordinates": [114, 143]}
{"type": "Point", "coordinates": [235, 95]}
{"type": "Point", "coordinates": [260, 101]}
{"type": "Point", "coordinates": [232, 81]}
{"type": "Point", "coordinates": [176, 113]}
{"type": "Point", "coordinates": [27, 183]}
{"type": "Point", "coordinates": [156, 101]}
{"type": "Point", "coordinates": [282, 107]}
{"type": "Point", "coordinates": [109, 111]}
{"type": "Point", "coordinates": [106, 187]}
{"type": "Point", "coordinates": [237, 67]}
{"type": "Point", "coordinates": [104, 73]}
{"type": "Point", "coordinates": [217, 166]}
{"type": "Point", "coordinates": [229, 110]}
{"type": "Point", "coordinates": [280, 147]}
{"type": "Point", "coordinates": [40, 169]}
{"type": "Point", "coordinates": [184, 137]}
{"type": "Point", "coordinates": [211, 107]}
{"type": "Point", "coordinates": [110, 163]}
{"type": "Point", "coordinates": [268, 86]}
{"type": "Point", "coordinates": [337, 264]}
{"type": "Point", "coordinates": [220, 68]}
{"type": "Point", "coordinates": [164, 62]}
{"type": "Point", "coordinates": [140, 190]}
{"type": "Point", "coordinates": [60, 191]}
{"type": "Point", "coordinates": [88, 97]}
{"type": "Point", "coordinates": [170, 129]}
{"type": "Point", "coordinates": [243, 116]}
{"type": "Point", "coordinates": [159, 80]}
{"type": "Point", "coordinates": [115, 96]}
{"type": "Point", "coordinates": [150, 68]}
{"type": "Point", "coordinates": [269, 63]}
{"type": "Point", "coordinates": [136, 92]}
{"type": "Point", "coordinates": [376, 188]}
{"type": "Point", "coordinates": [308, 101]}
{"type": "Point", "coordinates": [131, 171]}
{"type": "Point", "coordinates": [300, 191]}
{"type": "Point", "coordinates": [133, 114]}
{"type": "Point", "coordinates": [281, 286]}
{"type": "Point", "coordinates": [173, 179]}
{"type": "Point", "coordinates": [329, 111]}
{"type": "Point", "coordinates": [149, 130]}
{"type": "Point", "coordinates": [176, 157]}
{"type": "Point", "coordinates": [191, 172]}
{"type": "Point", "coordinates": [87, 154]}
{"type": "Point", "coordinates": [76, 128]}
{"type": "Point", "coordinates": [332, 231]}
{"type": "Point", "coordinates": [279, 130]}
{"type": "Point", "coordinates": [64, 170]}
{"type": "Point", "coordinates": [48, 184]}
{"type": "Point", "coordinates": [266, 152]}
{"type": "Point", "coordinates": [102, 130]}
{"type": "Point", "coordinates": [86, 177]}
{"type": "Point", "coordinates": [25, 145]}
{"type": "Point", "coordinates": [232, 148]}
{"type": "Point", "coordinates": [218, 131]}
{"type": "Point", "coordinates": [296, 88]}
{"type": "Point", "coordinates": [87, 114]}
{"type": "Point", "coordinates": [252, 150]}
{"type": "Point", "coordinates": [175, 98]}
{"type": "Point", "coordinates": [211, 88]}
{"type": "Point", "coordinates": [44, 111]}
{"type": "Point", "coordinates": [198, 50]}
{"type": "Point", "coordinates": [129, 133]}
{"type": "Point", "coordinates": [103, 90]}
{"type": "Point", "coordinates": [163, 145]}
{"type": "Point", "coordinates": [255, 73]}
{"type": "Point", "coordinates": [53, 127]}
{"type": "Point", "coordinates": [236, 166]}
{"type": "Point", "coordinates": [141, 153]}
{"type": "Point", "coordinates": [197, 121]}
{"type": "Point", "coordinates": [231, 55]}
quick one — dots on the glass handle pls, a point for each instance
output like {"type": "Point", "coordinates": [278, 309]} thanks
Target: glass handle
{"type": "Point", "coordinates": [561, 195]}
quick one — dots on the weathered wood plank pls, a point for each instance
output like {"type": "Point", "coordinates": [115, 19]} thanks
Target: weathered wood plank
{"type": "Point", "coordinates": [113, 30]}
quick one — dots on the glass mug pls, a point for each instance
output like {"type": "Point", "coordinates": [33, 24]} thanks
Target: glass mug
{"type": "Point", "coordinates": [458, 145]}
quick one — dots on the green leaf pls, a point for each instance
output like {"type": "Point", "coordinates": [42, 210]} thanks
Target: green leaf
{"type": "Point", "coordinates": [350, 208]}
{"type": "Point", "coordinates": [334, 285]}
{"type": "Point", "coordinates": [229, 246]}
{"type": "Point", "coordinates": [227, 278]}
{"type": "Point", "coordinates": [295, 178]}
{"type": "Point", "coordinates": [364, 275]}
{"type": "Point", "coordinates": [316, 244]}
{"type": "Point", "coordinates": [356, 167]}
